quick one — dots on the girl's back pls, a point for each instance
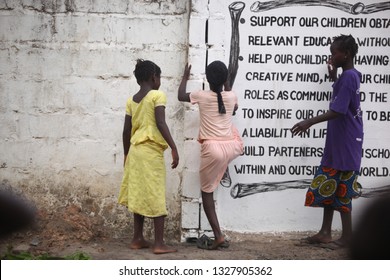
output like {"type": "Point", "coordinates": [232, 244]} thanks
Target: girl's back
{"type": "Point", "coordinates": [143, 118]}
{"type": "Point", "coordinates": [214, 125]}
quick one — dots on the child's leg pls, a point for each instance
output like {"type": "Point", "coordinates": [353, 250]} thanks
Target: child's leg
{"type": "Point", "coordinates": [209, 209]}
{"type": "Point", "coordinates": [325, 233]}
{"type": "Point", "coordinates": [321, 193]}
{"type": "Point", "coordinates": [159, 246]}
{"type": "Point", "coordinates": [138, 241]}
{"type": "Point", "coordinates": [349, 189]}
{"type": "Point", "coordinates": [346, 222]}
{"type": "Point", "coordinates": [346, 236]}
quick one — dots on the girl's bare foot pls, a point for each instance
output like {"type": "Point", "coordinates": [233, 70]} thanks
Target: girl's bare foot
{"type": "Point", "coordinates": [319, 238]}
{"type": "Point", "coordinates": [163, 249]}
{"type": "Point", "coordinates": [139, 244]}
{"type": "Point", "coordinates": [218, 242]}
{"type": "Point", "coordinates": [342, 242]}
{"type": "Point", "coordinates": [335, 245]}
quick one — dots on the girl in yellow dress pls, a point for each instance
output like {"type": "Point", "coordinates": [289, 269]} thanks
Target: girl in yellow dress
{"type": "Point", "coordinates": [145, 137]}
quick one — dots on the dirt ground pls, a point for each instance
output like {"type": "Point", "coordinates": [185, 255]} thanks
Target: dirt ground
{"type": "Point", "coordinates": [281, 246]}
{"type": "Point", "coordinates": [71, 232]}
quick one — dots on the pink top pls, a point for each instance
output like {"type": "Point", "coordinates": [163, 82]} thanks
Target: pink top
{"type": "Point", "coordinates": [213, 125]}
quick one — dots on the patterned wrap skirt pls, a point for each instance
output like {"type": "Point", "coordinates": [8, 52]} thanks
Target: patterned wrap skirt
{"type": "Point", "coordinates": [143, 185]}
{"type": "Point", "coordinates": [215, 156]}
{"type": "Point", "coordinates": [334, 189]}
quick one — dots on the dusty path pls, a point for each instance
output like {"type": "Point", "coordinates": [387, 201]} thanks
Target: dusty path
{"type": "Point", "coordinates": [70, 231]}
{"type": "Point", "coordinates": [278, 246]}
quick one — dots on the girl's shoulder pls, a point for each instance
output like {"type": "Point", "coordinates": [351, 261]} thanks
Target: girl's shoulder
{"type": "Point", "coordinates": [229, 94]}
{"type": "Point", "coordinates": [201, 93]}
{"type": "Point", "coordinates": [348, 78]}
{"type": "Point", "coordinates": [152, 94]}
{"type": "Point", "coordinates": [157, 97]}
{"type": "Point", "coordinates": [211, 93]}
{"type": "Point", "coordinates": [156, 92]}
{"type": "Point", "coordinates": [129, 100]}
{"type": "Point", "coordinates": [352, 73]}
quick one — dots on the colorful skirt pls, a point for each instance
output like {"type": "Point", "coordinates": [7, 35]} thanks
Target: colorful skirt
{"type": "Point", "coordinates": [143, 184]}
{"type": "Point", "coordinates": [333, 188]}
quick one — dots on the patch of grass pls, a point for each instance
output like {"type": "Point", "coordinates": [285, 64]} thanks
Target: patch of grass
{"type": "Point", "coordinates": [10, 255]}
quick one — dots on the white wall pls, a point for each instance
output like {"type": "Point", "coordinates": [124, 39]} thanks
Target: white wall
{"type": "Point", "coordinates": [280, 208]}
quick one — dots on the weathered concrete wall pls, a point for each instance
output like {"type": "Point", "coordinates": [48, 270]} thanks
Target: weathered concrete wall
{"type": "Point", "coordinates": [65, 74]}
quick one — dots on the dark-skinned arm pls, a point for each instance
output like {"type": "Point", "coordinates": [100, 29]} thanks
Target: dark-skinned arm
{"type": "Point", "coordinates": [162, 126]}
{"type": "Point", "coordinates": [226, 86]}
{"type": "Point", "coordinates": [182, 95]}
{"type": "Point", "coordinates": [302, 126]}
{"type": "Point", "coordinates": [126, 136]}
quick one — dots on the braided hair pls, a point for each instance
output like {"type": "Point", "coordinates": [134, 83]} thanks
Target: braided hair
{"type": "Point", "coordinates": [346, 43]}
{"type": "Point", "coordinates": [144, 69]}
{"type": "Point", "coordinates": [216, 74]}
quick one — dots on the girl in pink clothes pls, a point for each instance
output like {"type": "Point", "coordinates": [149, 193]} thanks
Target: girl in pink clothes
{"type": "Point", "coordinates": [219, 139]}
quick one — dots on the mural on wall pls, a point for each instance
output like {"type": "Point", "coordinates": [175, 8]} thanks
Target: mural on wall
{"type": "Point", "coordinates": [277, 68]}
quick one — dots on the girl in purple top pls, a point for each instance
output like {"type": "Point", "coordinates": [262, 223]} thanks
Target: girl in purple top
{"type": "Point", "coordinates": [335, 183]}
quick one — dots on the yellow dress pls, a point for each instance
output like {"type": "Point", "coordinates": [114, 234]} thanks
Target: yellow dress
{"type": "Point", "coordinates": [143, 184]}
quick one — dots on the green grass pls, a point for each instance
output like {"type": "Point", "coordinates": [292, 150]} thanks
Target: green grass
{"type": "Point", "coordinates": [9, 255]}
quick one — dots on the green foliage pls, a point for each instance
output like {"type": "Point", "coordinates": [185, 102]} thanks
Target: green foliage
{"type": "Point", "coordinates": [10, 255]}
{"type": "Point", "coordinates": [78, 256]}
